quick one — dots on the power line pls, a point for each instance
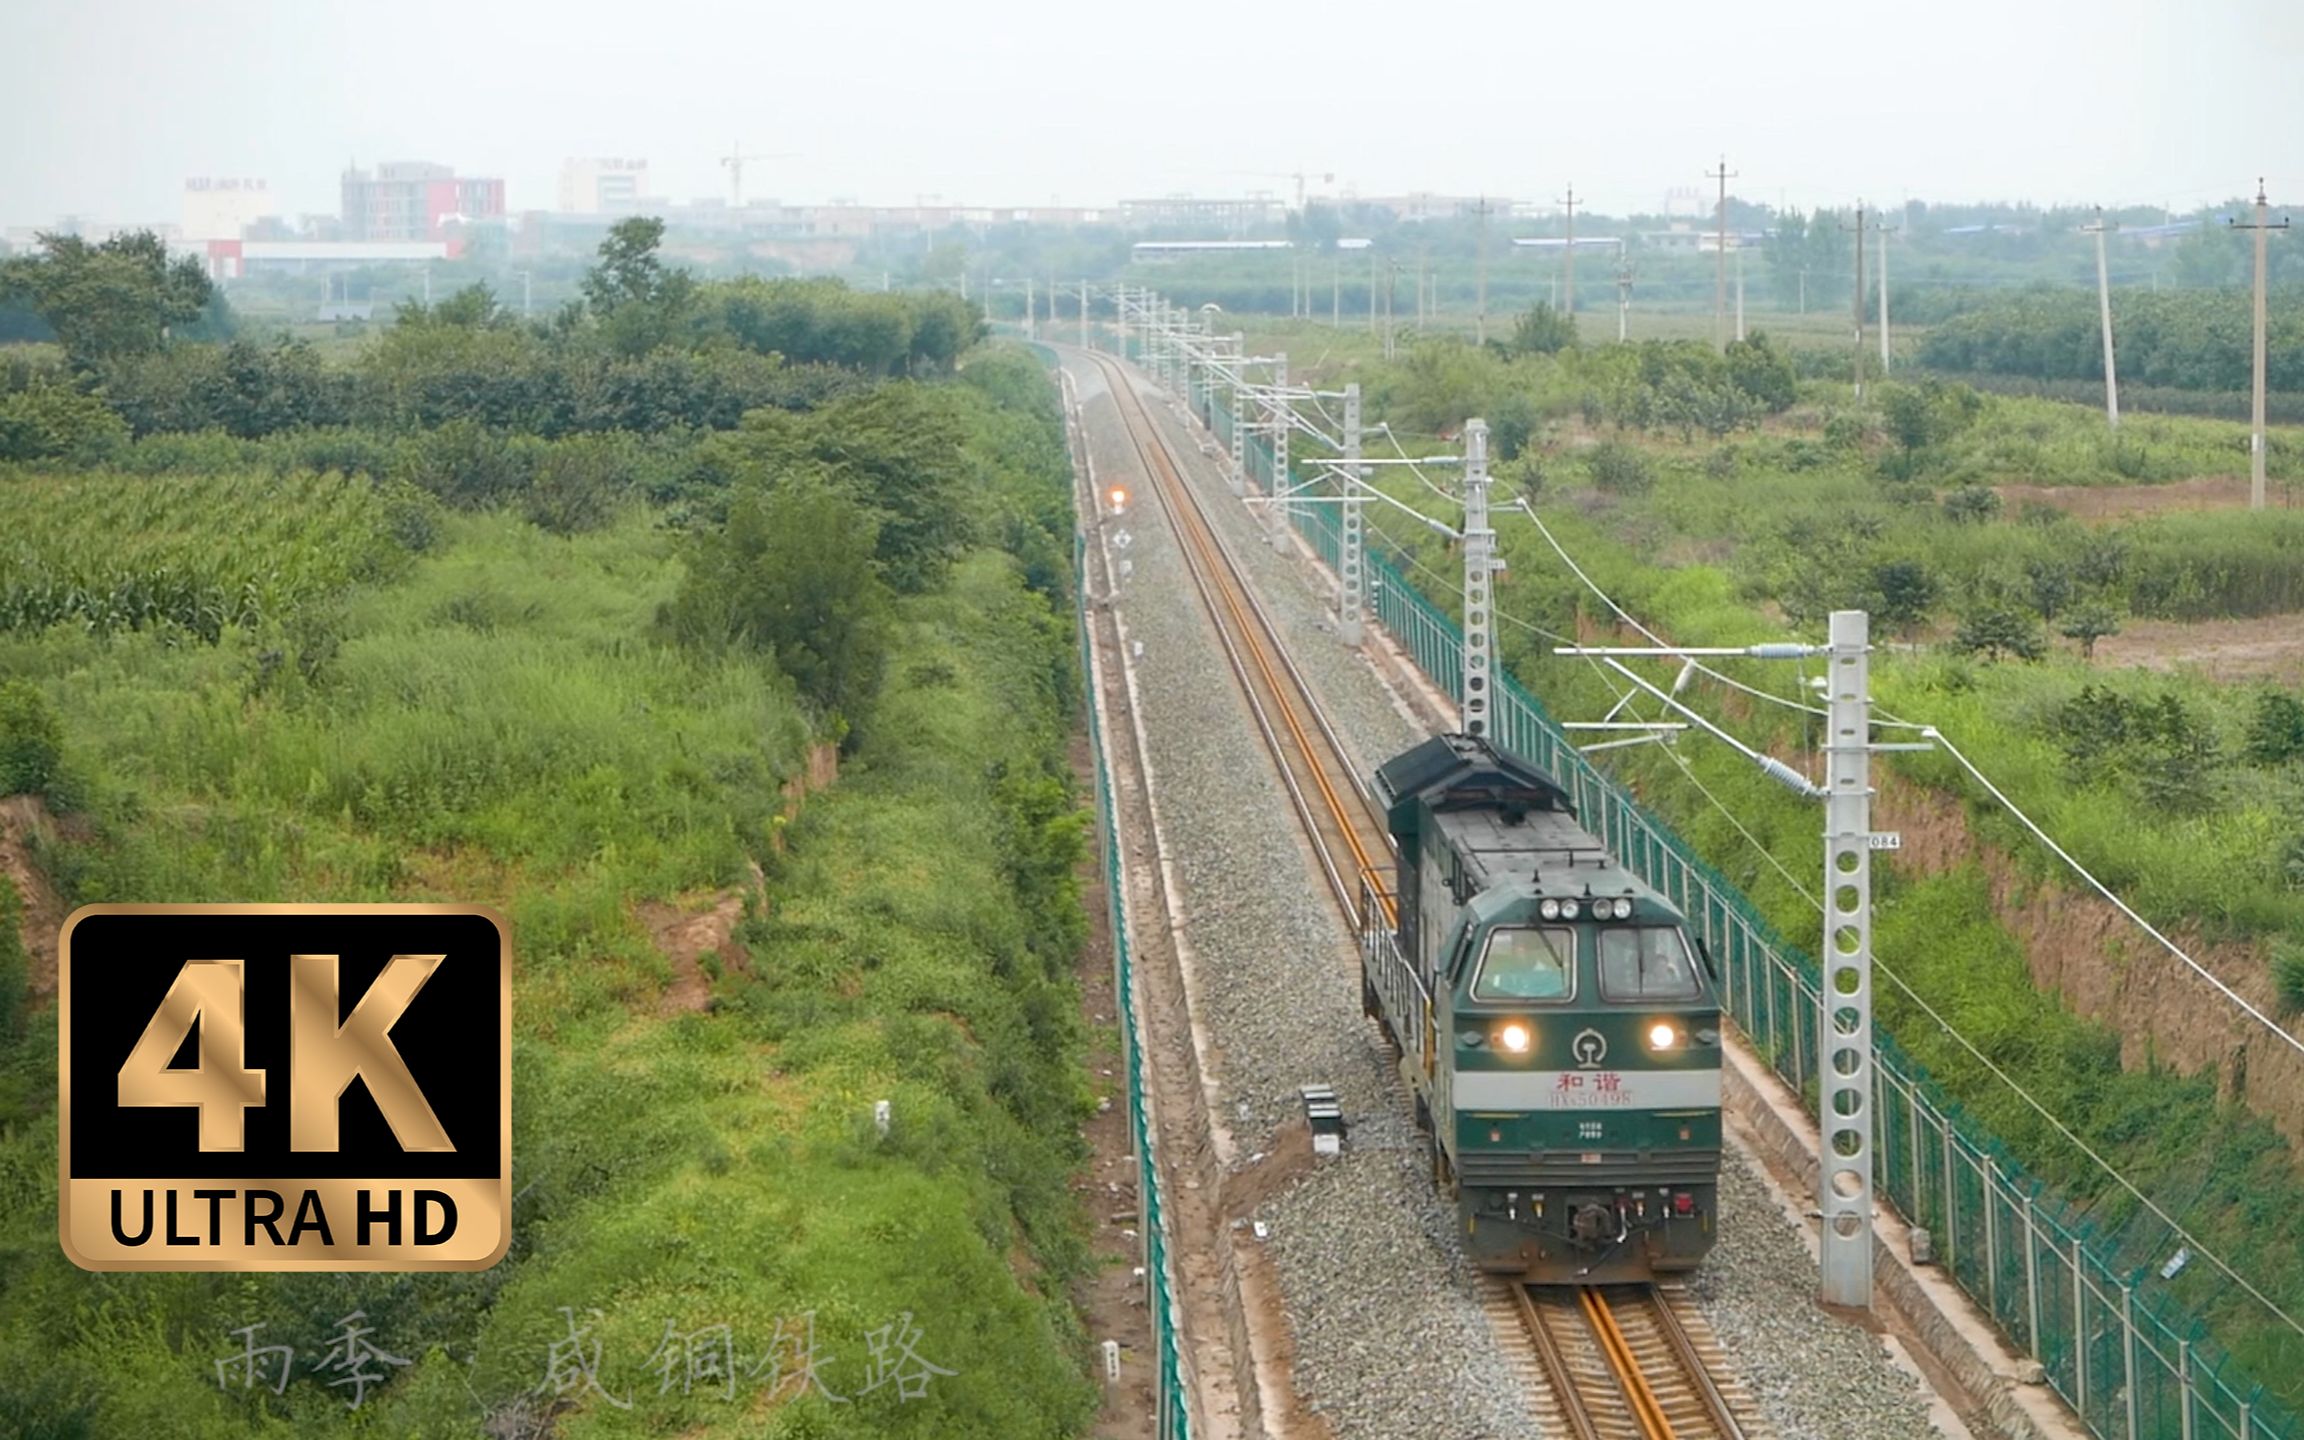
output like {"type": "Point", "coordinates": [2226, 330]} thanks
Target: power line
{"type": "Point", "coordinates": [1932, 1013]}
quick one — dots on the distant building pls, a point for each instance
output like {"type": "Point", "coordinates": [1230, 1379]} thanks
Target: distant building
{"type": "Point", "coordinates": [232, 259]}
{"type": "Point", "coordinates": [407, 200]}
{"type": "Point", "coordinates": [598, 186]}
{"type": "Point", "coordinates": [222, 207]}
{"type": "Point", "coordinates": [1198, 213]}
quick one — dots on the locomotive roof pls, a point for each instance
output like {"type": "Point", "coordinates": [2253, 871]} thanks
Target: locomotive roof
{"type": "Point", "coordinates": [1463, 772]}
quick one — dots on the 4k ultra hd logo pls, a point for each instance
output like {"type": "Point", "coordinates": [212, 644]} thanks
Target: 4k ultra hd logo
{"type": "Point", "coordinates": [285, 1087]}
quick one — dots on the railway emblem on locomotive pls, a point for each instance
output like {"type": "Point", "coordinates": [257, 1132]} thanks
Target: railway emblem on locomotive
{"type": "Point", "coordinates": [1590, 1048]}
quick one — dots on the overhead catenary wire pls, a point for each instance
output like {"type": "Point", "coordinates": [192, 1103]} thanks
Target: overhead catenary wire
{"type": "Point", "coordinates": [2016, 1087]}
{"type": "Point", "coordinates": [2270, 1025]}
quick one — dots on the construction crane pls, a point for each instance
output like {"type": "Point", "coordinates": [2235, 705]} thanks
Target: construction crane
{"type": "Point", "coordinates": [1299, 176]}
{"type": "Point", "coordinates": [733, 163]}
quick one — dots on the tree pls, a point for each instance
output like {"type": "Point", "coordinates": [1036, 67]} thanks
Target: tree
{"type": "Point", "coordinates": [109, 300]}
{"type": "Point", "coordinates": [2048, 585]}
{"type": "Point", "coordinates": [1906, 591]}
{"type": "Point", "coordinates": [1763, 372]}
{"type": "Point", "coordinates": [31, 739]}
{"type": "Point", "coordinates": [2090, 621]}
{"type": "Point", "coordinates": [792, 574]}
{"type": "Point", "coordinates": [1542, 330]}
{"type": "Point", "coordinates": [641, 302]}
{"type": "Point", "coordinates": [1997, 631]}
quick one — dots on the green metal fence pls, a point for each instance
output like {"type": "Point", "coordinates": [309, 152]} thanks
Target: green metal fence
{"type": "Point", "coordinates": [1172, 1416]}
{"type": "Point", "coordinates": [2121, 1352]}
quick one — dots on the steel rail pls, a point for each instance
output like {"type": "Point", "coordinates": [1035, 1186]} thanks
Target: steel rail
{"type": "Point", "coordinates": [1347, 836]}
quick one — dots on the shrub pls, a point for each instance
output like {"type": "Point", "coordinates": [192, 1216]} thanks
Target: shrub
{"type": "Point", "coordinates": [51, 419]}
{"type": "Point", "coordinates": [1620, 469]}
{"type": "Point", "coordinates": [2276, 732]}
{"type": "Point", "coordinates": [31, 739]}
{"type": "Point", "coordinates": [2288, 975]}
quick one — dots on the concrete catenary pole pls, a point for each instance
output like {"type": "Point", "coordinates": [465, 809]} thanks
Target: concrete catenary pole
{"type": "Point", "coordinates": [1844, 1026]}
{"type": "Point", "coordinates": [2104, 317]}
{"type": "Point", "coordinates": [1283, 419]}
{"type": "Point", "coordinates": [1479, 574]}
{"type": "Point", "coordinates": [1352, 582]}
{"type": "Point", "coordinates": [1623, 301]}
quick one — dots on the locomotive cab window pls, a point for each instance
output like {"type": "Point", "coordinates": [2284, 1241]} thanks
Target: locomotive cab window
{"type": "Point", "coordinates": [1528, 965]}
{"type": "Point", "coordinates": [1647, 962]}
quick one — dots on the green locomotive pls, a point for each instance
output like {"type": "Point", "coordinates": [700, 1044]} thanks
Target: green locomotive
{"type": "Point", "coordinates": [1559, 1030]}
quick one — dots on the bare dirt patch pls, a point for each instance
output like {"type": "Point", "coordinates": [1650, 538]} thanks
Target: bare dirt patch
{"type": "Point", "coordinates": [2109, 971]}
{"type": "Point", "coordinates": [2121, 502]}
{"type": "Point", "coordinates": [22, 817]}
{"type": "Point", "coordinates": [698, 926]}
{"type": "Point", "coordinates": [2261, 647]}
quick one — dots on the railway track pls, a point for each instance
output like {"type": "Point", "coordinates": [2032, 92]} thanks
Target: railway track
{"type": "Point", "coordinates": [1616, 1362]}
{"type": "Point", "coordinates": [1348, 837]}
{"type": "Point", "coordinates": [1621, 1363]}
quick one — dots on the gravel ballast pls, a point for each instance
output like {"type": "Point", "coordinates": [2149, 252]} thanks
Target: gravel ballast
{"type": "Point", "coordinates": [1389, 1337]}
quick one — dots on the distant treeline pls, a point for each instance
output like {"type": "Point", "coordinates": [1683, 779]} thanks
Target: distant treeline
{"type": "Point", "coordinates": [649, 349]}
{"type": "Point", "coordinates": [2195, 341]}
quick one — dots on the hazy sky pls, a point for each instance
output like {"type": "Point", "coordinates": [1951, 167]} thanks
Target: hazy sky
{"type": "Point", "coordinates": [109, 104]}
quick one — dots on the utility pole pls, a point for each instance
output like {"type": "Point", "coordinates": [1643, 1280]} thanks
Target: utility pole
{"type": "Point", "coordinates": [1623, 298]}
{"type": "Point", "coordinates": [1083, 314]}
{"type": "Point", "coordinates": [1031, 306]}
{"type": "Point", "coordinates": [1423, 267]}
{"type": "Point", "coordinates": [1720, 267]}
{"type": "Point", "coordinates": [1568, 254]}
{"type": "Point", "coordinates": [1239, 414]}
{"type": "Point", "coordinates": [2263, 228]}
{"type": "Point", "coordinates": [1336, 292]}
{"type": "Point", "coordinates": [1885, 231]}
{"type": "Point", "coordinates": [1351, 574]}
{"type": "Point", "coordinates": [2104, 315]}
{"type": "Point", "coordinates": [1739, 293]}
{"type": "Point", "coordinates": [1371, 289]}
{"type": "Point", "coordinates": [1859, 372]}
{"type": "Point", "coordinates": [1391, 293]}
{"type": "Point", "coordinates": [1480, 310]}
{"type": "Point", "coordinates": [1479, 574]}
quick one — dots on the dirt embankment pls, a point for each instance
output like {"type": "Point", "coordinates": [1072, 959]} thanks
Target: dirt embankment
{"type": "Point", "coordinates": [23, 820]}
{"type": "Point", "coordinates": [2110, 971]}
{"type": "Point", "coordinates": [704, 923]}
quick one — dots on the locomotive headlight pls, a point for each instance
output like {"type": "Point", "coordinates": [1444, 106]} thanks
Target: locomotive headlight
{"type": "Point", "coordinates": [1567, 909]}
{"type": "Point", "coordinates": [1624, 908]}
{"type": "Point", "coordinates": [1662, 1036]}
{"type": "Point", "coordinates": [1549, 909]}
{"type": "Point", "coordinates": [1515, 1038]}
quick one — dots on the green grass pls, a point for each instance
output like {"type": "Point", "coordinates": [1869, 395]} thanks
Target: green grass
{"type": "Point", "coordinates": [195, 552]}
{"type": "Point", "coordinates": [1699, 558]}
{"type": "Point", "coordinates": [500, 722]}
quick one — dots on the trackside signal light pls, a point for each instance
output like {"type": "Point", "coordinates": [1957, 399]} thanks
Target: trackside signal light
{"type": "Point", "coordinates": [1683, 1203]}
